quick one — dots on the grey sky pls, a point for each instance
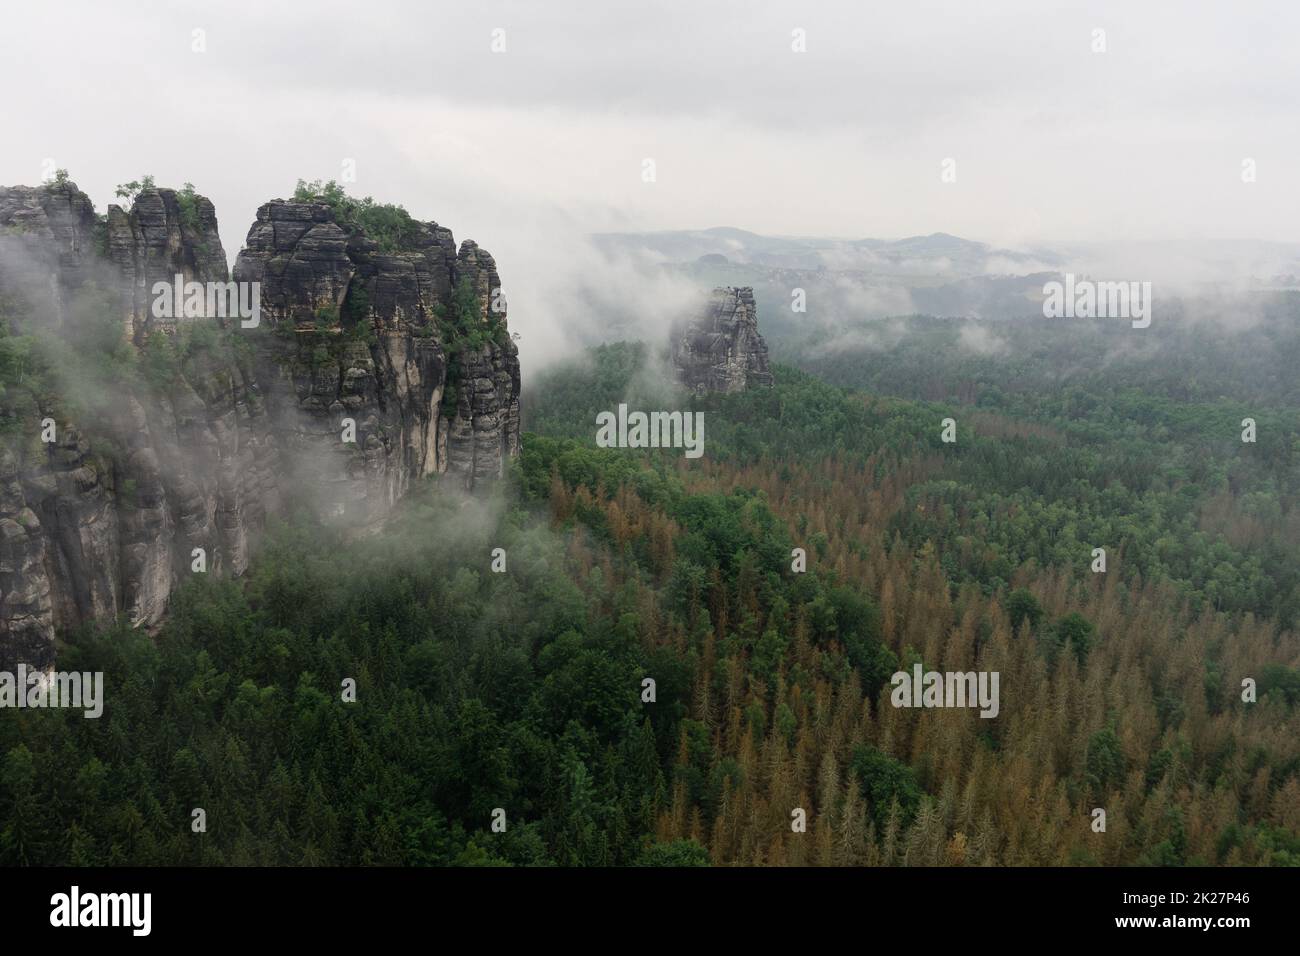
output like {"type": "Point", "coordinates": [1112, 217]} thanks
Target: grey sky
{"type": "Point", "coordinates": [1050, 139]}
{"type": "Point", "coordinates": [528, 149]}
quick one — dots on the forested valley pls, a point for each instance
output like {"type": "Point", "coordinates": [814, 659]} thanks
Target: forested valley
{"type": "Point", "coordinates": [519, 694]}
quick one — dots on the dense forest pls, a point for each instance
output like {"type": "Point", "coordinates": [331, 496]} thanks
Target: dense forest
{"type": "Point", "coordinates": [517, 694]}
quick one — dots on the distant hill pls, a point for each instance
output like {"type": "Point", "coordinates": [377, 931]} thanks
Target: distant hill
{"type": "Point", "coordinates": [935, 254]}
{"type": "Point", "coordinates": [938, 274]}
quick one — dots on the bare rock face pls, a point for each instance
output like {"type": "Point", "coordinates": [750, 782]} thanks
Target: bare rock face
{"type": "Point", "coordinates": [483, 421]}
{"type": "Point", "coordinates": [164, 235]}
{"type": "Point", "coordinates": [149, 478]}
{"type": "Point", "coordinates": [47, 246]}
{"type": "Point", "coordinates": [721, 350]}
{"type": "Point", "coordinates": [25, 612]}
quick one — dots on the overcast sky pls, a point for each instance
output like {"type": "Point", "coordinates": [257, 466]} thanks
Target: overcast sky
{"type": "Point", "coordinates": [1050, 140]}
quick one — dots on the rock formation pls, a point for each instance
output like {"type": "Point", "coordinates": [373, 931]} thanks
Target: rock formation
{"type": "Point", "coordinates": [164, 234]}
{"type": "Point", "coordinates": [409, 345]}
{"type": "Point", "coordinates": [721, 349]}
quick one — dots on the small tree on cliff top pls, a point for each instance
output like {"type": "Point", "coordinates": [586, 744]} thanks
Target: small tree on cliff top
{"type": "Point", "coordinates": [389, 225]}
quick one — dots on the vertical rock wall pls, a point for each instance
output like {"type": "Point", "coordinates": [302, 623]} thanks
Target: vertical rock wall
{"type": "Point", "coordinates": [104, 520]}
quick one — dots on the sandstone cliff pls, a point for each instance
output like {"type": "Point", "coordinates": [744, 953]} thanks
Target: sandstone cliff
{"type": "Point", "coordinates": [721, 350]}
{"type": "Point", "coordinates": [182, 440]}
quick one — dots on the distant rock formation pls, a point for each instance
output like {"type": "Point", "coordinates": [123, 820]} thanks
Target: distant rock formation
{"type": "Point", "coordinates": [721, 350]}
{"type": "Point", "coordinates": [411, 345]}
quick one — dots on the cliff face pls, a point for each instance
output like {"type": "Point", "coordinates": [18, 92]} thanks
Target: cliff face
{"type": "Point", "coordinates": [47, 247]}
{"type": "Point", "coordinates": [165, 234]}
{"type": "Point", "coordinates": [423, 403]}
{"type": "Point", "coordinates": [721, 350]}
{"type": "Point", "coordinates": [146, 467]}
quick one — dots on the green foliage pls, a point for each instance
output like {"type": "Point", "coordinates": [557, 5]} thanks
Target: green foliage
{"type": "Point", "coordinates": [1283, 846]}
{"type": "Point", "coordinates": [464, 332]}
{"type": "Point", "coordinates": [74, 370]}
{"type": "Point", "coordinates": [1282, 680]}
{"type": "Point", "coordinates": [1104, 762]}
{"type": "Point", "coordinates": [479, 691]}
{"type": "Point", "coordinates": [885, 783]}
{"type": "Point", "coordinates": [356, 305]}
{"type": "Point", "coordinates": [99, 234]}
{"type": "Point", "coordinates": [1075, 632]}
{"type": "Point", "coordinates": [1083, 440]}
{"type": "Point", "coordinates": [160, 361]}
{"type": "Point", "coordinates": [388, 225]}
{"type": "Point", "coordinates": [566, 398]}
{"type": "Point", "coordinates": [188, 201]}
{"type": "Point", "coordinates": [129, 191]}
{"type": "Point", "coordinates": [678, 853]}
{"type": "Point", "coordinates": [1021, 497]}
{"type": "Point", "coordinates": [1172, 850]}
{"type": "Point", "coordinates": [18, 358]}
{"type": "Point", "coordinates": [1023, 606]}
{"type": "Point", "coordinates": [521, 690]}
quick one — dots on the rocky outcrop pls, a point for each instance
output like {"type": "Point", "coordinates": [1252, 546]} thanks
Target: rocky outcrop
{"type": "Point", "coordinates": [165, 234]}
{"type": "Point", "coordinates": [721, 350]}
{"type": "Point", "coordinates": [47, 247]}
{"type": "Point", "coordinates": [149, 476]}
{"type": "Point", "coordinates": [426, 393]}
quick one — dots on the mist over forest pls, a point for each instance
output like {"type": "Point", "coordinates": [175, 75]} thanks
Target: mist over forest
{"type": "Point", "coordinates": [708, 436]}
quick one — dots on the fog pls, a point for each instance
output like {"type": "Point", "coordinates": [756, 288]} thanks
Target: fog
{"type": "Point", "coordinates": [1106, 132]}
